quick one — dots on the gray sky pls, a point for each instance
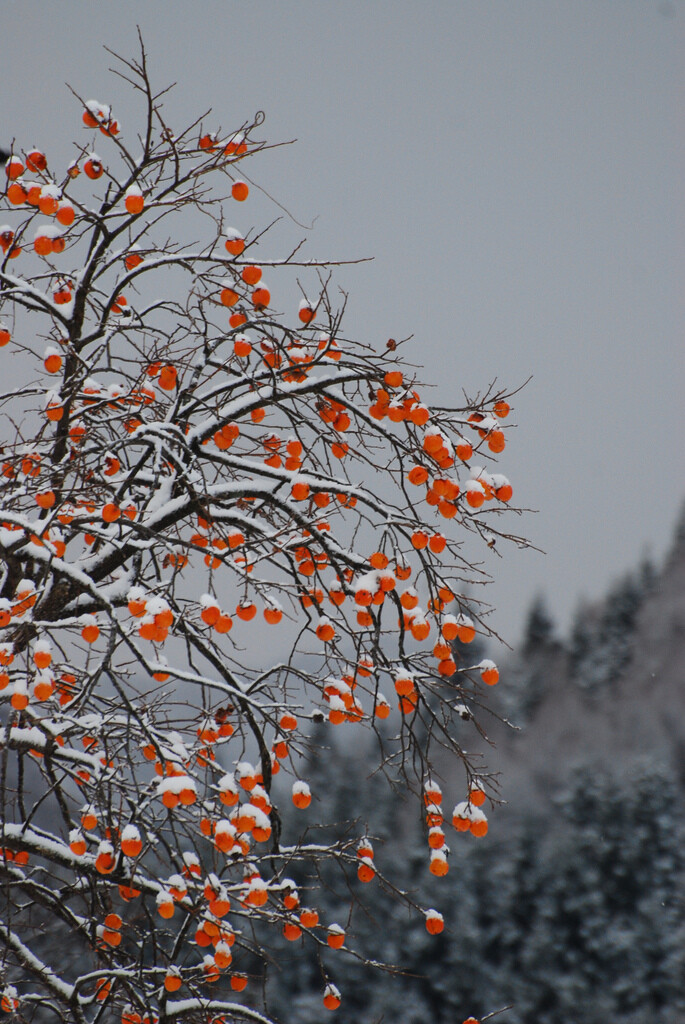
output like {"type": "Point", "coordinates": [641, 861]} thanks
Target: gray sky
{"type": "Point", "coordinates": [515, 171]}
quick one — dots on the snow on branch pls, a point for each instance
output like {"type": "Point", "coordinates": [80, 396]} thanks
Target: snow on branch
{"type": "Point", "coordinates": [229, 534]}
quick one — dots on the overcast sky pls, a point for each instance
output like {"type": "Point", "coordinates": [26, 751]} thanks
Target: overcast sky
{"type": "Point", "coordinates": [514, 168]}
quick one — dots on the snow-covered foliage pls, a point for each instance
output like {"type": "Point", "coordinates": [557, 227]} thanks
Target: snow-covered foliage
{"type": "Point", "coordinates": [208, 472]}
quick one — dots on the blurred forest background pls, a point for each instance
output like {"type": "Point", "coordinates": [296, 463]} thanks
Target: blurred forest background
{"type": "Point", "coordinates": [571, 909]}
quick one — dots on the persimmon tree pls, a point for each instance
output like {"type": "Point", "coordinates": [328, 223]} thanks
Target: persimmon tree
{"type": "Point", "coordinates": [222, 522]}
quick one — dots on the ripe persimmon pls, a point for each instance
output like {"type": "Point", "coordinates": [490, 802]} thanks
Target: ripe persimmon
{"type": "Point", "coordinates": [9, 1001]}
{"type": "Point", "coordinates": [475, 494]}
{"type": "Point", "coordinates": [52, 361]}
{"type": "Point", "coordinates": [366, 871]}
{"type": "Point", "coordinates": [165, 905]}
{"type": "Point", "coordinates": [301, 794]}
{"type": "Point", "coordinates": [44, 687]}
{"type": "Point", "coordinates": [419, 539]}
{"type": "Point", "coordinates": [236, 145]}
{"type": "Point", "coordinates": [235, 243]}
{"type": "Point", "coordinates": [461, 817]}
{"type": "Point", "coordinates": [489, 672]}
{"type": "Point", "coordinates": [14, 168]}
{"type": "Point", "coordinates": [168, 376]}
{"type": "Point", "coordinates": [434, 815]}
{"type": "Point", "coordinates": [466, 630]}
{"type": "Point", "coordinates": [17, 194]}
{"type": "Point", "coordinates": [382, 708]}
{"type": "Point", "coordinates": [93, 166]}
{"type": "Point", "coordinates": [19, 700]}
{"type": "Point", "coordinates": [251, 274]}
{"type": "Point", "coordinates": [240, 191]}
{"type": "Point", "coordinates": [309, 918]}
{"type": "Point", "coordinates": [331, 997]}
{"type": "Point", "coordinates": [45, 499]}
{"type": "Point", "coordinates": [105, 860]}
{"type": "Point", "coordinates": [437, 543]}
{"type": "Point", "coordinates": [65, 213]}
{"type": "Point", "coordinates": [77, 842]}
{"type": "Point", "coordinates": [134, 201]}
{"type": "Point", "coordinates": [54, 411]}
{"type": "Point", "coordinates": [306, 312]}
{"type": "Point", "coordinates": [434, 922]}
{"type": "Point", "coordinates": [479, 827]}
{"type": "Point", "coordinates": [36, 161]}
{"type": "Point", "coordinates": [172, 981]}
{"type": "Point", "coordinates": [90, 632]}
{"type": "Point", "coordinates": [438, 863]}
{"type": "Point", "coordinates": [92, 115]}
{"type": "Point", "coordinates": [496, 441]}
{"type": "Point", "coordinates": [131, 842]}
{"type": "Point", "coordinates": [339, 449]}
{"type": "Point", "coordinates": [436, 837]}
{"type": "Point", "coordinates": [48, 200]}
{"type": "Point", "coordinates": [476, 794]}
{"type": "Point", "coordinates": [103, 987]}
{"type": "Point", "coordinates": [404, 685]}
{"type": "Point", "coordinates": [417, 475]}
{"type": "Point", "coordinates": [261, 297]}
{"type": "Point", "coordinates": [325, 631]}
{"type": "Point", "coordinates": [242, 346]}
{"type": "Point", "coordinates": [300, 490]}
{"type": "Point", "coordinates": [419, 415]}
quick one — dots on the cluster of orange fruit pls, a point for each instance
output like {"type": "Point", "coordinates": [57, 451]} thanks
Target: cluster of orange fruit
{"type": "Point", "coordinates": [467, 816]}
{"type": "Point", "coordinates": [435, 449]}
{"type": "Point", "coordinates": [48, 198]}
